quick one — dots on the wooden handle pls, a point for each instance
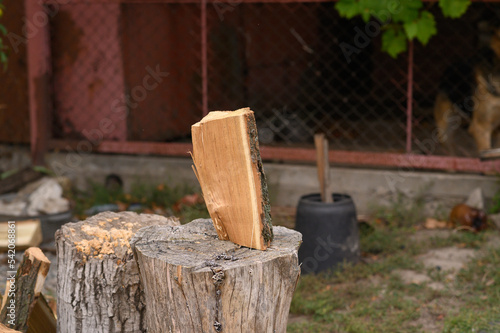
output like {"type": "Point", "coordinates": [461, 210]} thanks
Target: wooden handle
{"type": "Point", "coordinates": [321, 144]}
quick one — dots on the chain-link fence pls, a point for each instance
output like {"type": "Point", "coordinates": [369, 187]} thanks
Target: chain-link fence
{"type": "Point", "coordinates": [131, 71]}
{"type": "Point", "coordinates": [137, 72]}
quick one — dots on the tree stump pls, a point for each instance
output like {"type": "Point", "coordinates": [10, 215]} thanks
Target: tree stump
{"type": "Point", "coordinates": [195, 282]}
{"type": "Point", "coordinates": [98, 288]}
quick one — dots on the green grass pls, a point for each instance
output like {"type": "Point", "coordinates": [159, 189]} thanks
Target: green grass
{"type": "Point", "coordinates": [368, 297]}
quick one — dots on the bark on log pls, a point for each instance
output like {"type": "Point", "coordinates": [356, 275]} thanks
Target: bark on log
{"type": "Point", "coordinates": [195, 282]}
{"type": "Point", "coordinates": [22, 292]}
{"type": "Point", "coordinates": [17, 180]}
{"type": "Point", "coordinates": [97, 278]}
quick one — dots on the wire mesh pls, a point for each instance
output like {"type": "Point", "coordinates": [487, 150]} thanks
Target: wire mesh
{"type": "Point", "coordinates": [133, 71]}
{"type": "Point", "coordinates": [446, 67]}
{"type": "Point", "coordinates": [286, 63]}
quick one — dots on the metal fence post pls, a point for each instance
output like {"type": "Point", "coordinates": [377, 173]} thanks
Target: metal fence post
{"type": "Point", "coordinates": [39, 69]}
{"type": "Point", "coordinates": [409, 100]}
{"type": "Point", "coordinates": [204, 60]}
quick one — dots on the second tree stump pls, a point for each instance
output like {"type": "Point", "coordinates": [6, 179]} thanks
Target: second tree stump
{"type": "Point", "coordinates": [195, 282]}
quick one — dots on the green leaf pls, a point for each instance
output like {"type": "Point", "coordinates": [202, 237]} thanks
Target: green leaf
{"type": "Point", "coordinates": [411, 29]}
{"type": "Point", "coordinates": [373, 6]}
{"type": "Point", "coordinates": [423, 28]}
{"type": "Point", "coordinates": [426, 27]}
{"type": "Point", "coordinates": [348, 8]}
{"type": "Point", "coordinates": [366, 14]}
{"type": "Point", "coordinates": [394, 41]}
{"type": "Point", "coordinates": [407, 11]}
{"type": "Point", "coordinates": [454, 8]}
{"type": "Point", "coordinates": [3, 58]}
{"type": "Point", "coordinates": [8, 173]}
{"type": "Point", "coordinates": [42, 169]}
{"type": "Point", "coordinates": [3, 30]}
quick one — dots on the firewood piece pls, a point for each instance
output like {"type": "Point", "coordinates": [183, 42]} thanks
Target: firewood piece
{"type": "Point", "coordinates": [28, 234]}
{"type": "Point", "coordinates": [195, 282]}
{"type": "Point", "coordinates": [98, 281]}
{"type": "Point", "coordinates": [42, 318]}
{"type": "Point", "coordinates": [20, 298]}
{"type": "Point", "coordinates": [5, 329]}
{"type": "Point", "coordinates": [228, 166]}
{"type": "Point", "coordinates": [18, 179]}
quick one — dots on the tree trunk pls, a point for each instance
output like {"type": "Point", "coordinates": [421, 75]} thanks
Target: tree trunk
{"type": "Point", "coordinates": [98, 281]}
{"type": "Point", "coordinates": [195, 282]}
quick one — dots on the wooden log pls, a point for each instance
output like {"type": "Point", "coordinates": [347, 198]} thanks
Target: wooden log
{"type": "Point", "coordinates": [42, 318]}
{"type": "Point", "coordinates": [228, 166]}
{"type": "Point", "coordinates": [28, 234]}
{"type": "Point", "coordinates": [98, 286]}
{"type": "Point", "coordinates": [21, 293]}
{"type": "Point", "coordinates": [5, 329]}
{"type": "Point", "coordinates": [195, 282]}
{"type": "Point", "coordinates": [18, 179]}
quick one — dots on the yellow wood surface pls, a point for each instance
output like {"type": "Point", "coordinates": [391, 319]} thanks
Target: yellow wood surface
{"type": "Point", "coordinates": [28, 233]}
{"type": "Point", "coordinates": [229, 175]}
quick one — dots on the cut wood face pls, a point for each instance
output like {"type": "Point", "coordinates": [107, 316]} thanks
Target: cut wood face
{"type": "Point", "coordinates": [228, 166]}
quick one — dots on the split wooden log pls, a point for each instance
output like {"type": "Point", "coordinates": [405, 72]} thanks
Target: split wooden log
{"type": "Point", "coordinates": [195, 282]}
{"type": "Point", "coordinates": [228, 166]}
{"type": "Point", "coordinates": [5, 329]}
{"type": "Point", "coordinates": [98, 286]}
{"type": "Point", "coordinates": [42, 318]}
{"type": "Point", "coordinates": [23, 290]}
{"type": "Point", "coordinates": [28, 234]}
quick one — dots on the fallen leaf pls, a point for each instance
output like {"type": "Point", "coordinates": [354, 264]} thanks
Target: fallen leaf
{"type": "Point", "coordinates": [121, 206]}
{"type": "Point", "coordinates": [432, 223]}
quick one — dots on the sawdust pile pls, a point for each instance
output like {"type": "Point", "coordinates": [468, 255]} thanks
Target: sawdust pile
{"type": "Point", "coordinates": [102, 241]}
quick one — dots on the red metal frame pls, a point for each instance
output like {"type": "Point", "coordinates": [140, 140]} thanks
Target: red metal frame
{"type": "Point", "coordinates": [39, 70]}
{"type": "Point", "coordinates": [403, 162]}
{"type": "Point", "coordinates": [409, 99]}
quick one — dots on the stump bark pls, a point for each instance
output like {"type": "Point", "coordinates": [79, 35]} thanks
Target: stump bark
{"type": "Point", "coordinates": [98, 281]}
{"type": "Point", "coordinates": [195, 282]}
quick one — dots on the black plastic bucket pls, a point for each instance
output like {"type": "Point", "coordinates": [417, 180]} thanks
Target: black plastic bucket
{"type": "Point", "coordinates": [329, 232]}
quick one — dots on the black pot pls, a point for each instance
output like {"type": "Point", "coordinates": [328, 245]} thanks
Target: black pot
{"type": "Point", "coordinates": [329, 232]}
